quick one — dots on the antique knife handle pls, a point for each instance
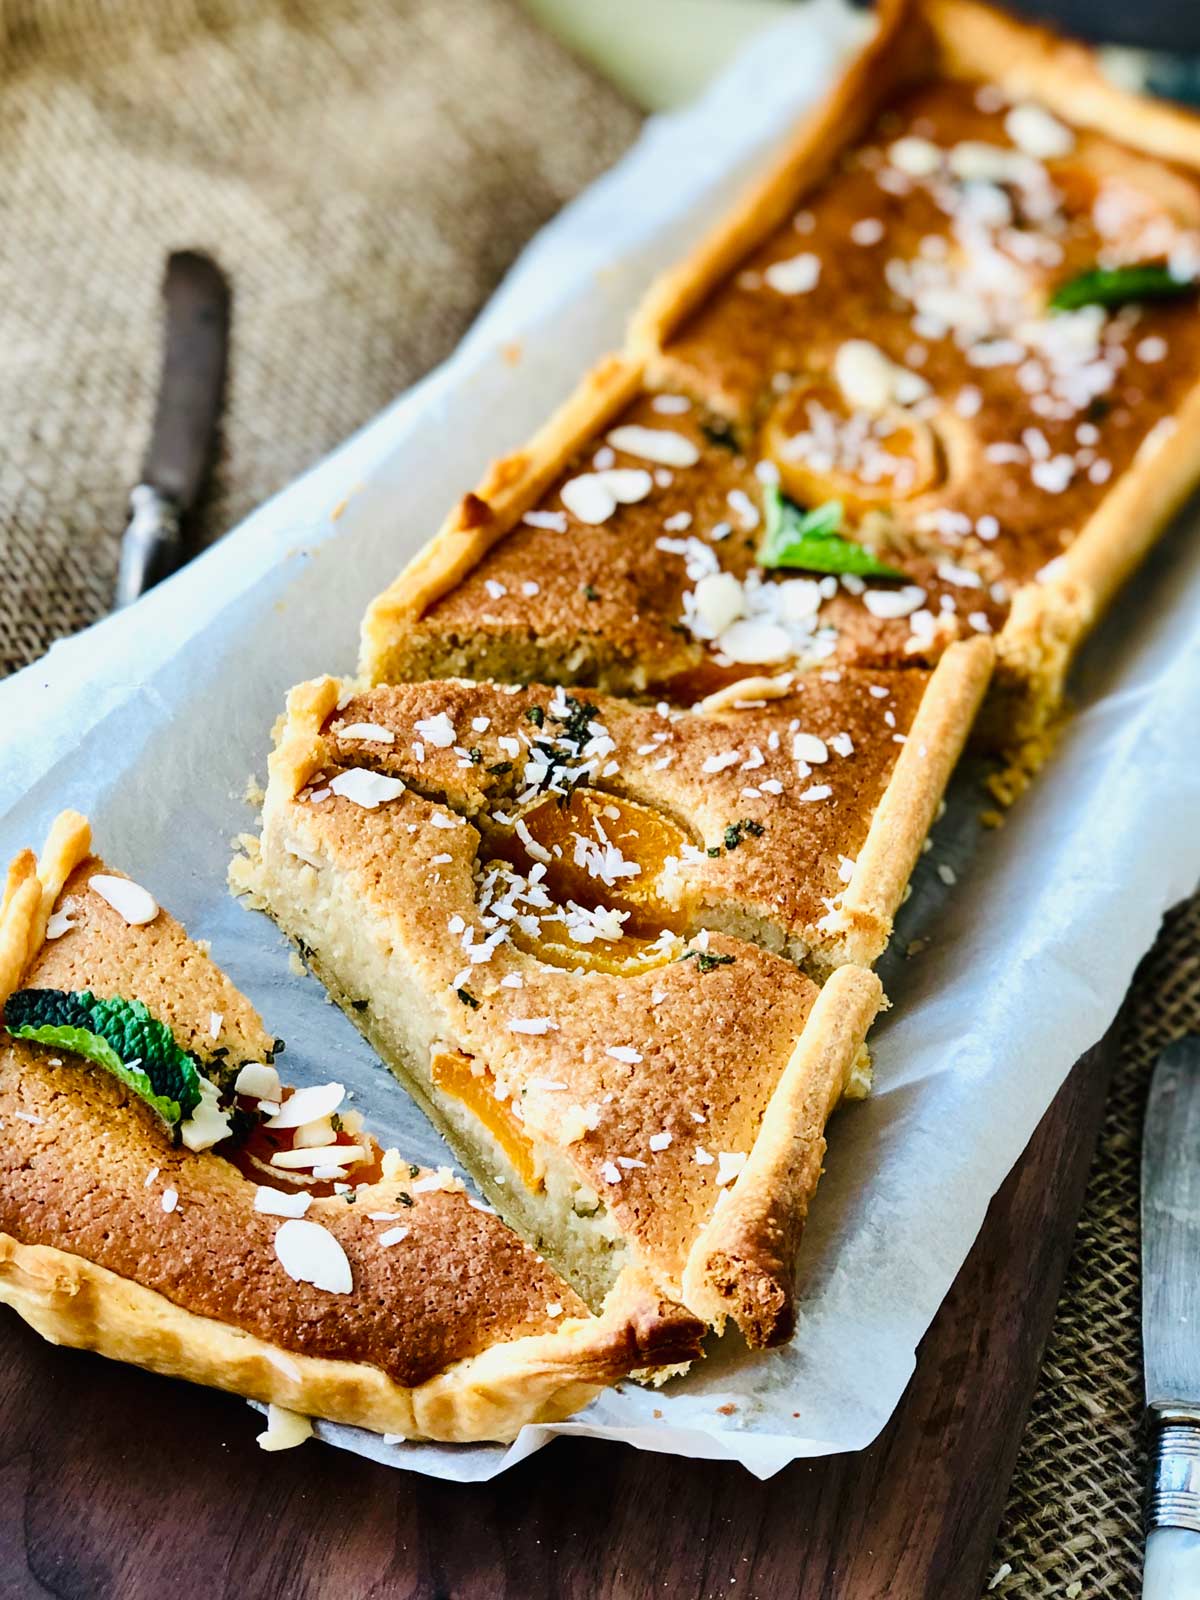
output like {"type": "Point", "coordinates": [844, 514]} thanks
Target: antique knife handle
{"type": "Point", "coordinates": [1173, 1490]}
{"type": "Point", "coordinates": [152, 546]}
{"type": "Point", "coordinates": [1173, 1507]}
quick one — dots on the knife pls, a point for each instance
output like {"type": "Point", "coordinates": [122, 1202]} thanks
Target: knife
{"type": "Point", "coordinates": [1171, 1322]}
{"type": "Point", "coordinates": [196, 301]}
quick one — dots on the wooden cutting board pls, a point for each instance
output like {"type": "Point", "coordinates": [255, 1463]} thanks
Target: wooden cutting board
{"type": "Point", "coordinates": [115, 1485]}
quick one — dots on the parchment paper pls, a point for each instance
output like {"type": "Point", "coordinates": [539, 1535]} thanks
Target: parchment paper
{"type": "Point", "coordinates": [152, 721]}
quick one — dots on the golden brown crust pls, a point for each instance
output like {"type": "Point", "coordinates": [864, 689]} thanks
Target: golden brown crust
{"type": "Point", "coordinates": [492, 1395]}
{"type": "Point", "coordinates": [908, 807]}
{"type": "Point", "coordinates": [743, 1265]}
{"type": "Point", "coordinates": [31, 890]}
{"type": "Point", "coordinates": [783, 868]}
{"type": "Point", "coordinates": [485, 515]}
{"type": "Point", "coordinates": [979, 41]}
{"type": "Point", "coordinates": [959, 39]}
{"type": "Point", "coordinates": [1104, 531]}
{"type": "Point", "coordinates": [85, 1168]}
{"type": "Point", "coordinates": [1050, 620]}
{"type": "Point", "coordinates": [298, 750]}
{"type": "Point", "coordinates": [112, 1238]}
{"type": "Point", "coordinates": [609, 605]}
{"type": "Point", "coordinates": [899, 51]}
{"type": "Point", "coordinates": [903, 732]}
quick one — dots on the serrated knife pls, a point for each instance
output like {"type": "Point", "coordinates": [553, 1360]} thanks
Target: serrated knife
{"type": "Point", "coordinates": [195, 350]}
{"type": "Point", "coordinates": [1171, 1322]}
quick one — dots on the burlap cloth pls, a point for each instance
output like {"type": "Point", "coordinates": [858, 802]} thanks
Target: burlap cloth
{"type": "Point", "coordinates": [1072, 1526]}
{"type": "Point", "coordinates": [366, 171]}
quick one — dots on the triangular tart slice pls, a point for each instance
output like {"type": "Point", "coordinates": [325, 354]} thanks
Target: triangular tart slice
{"type": "Point", "coordinates": [650, 1101]}
{"type": "Point", "coordinates": [166, 1200]}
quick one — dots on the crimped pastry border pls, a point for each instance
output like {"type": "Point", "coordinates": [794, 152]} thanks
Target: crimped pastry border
{"type": "Point", "coordinates": [743, 1264]}
{"type": "Point", "coordinates": [900, 51]}
{"type": "Point", "coordinates": [32, 886]}
{"type": "Point", "coordinates": [489, 1396]}
{"type": "Point", "coordinates": [908, 807]}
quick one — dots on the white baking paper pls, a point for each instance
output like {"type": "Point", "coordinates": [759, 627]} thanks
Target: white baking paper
{"type": "Point", "coordinates": [152, 721]}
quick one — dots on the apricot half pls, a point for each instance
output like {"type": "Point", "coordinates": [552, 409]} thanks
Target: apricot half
{"type": "Point", "coordinates": [827, 450]}
{"type": "Point", "coordinates": [598, 850]}
{"type": "Point", "coordinates": [469, 1082]}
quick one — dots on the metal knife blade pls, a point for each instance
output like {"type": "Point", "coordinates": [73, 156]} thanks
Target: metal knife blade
{"type": "Point", "coordinates": [196, 300]}
{"type": "Point", "coordinates": [1171, 1230]}
{"type": "Point", "coordinates": [1171, 1319]}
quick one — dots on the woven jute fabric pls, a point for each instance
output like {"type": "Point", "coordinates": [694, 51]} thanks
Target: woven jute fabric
{"type": "Point", "coordinates": [1072, 1526]}
{"type": "Point", "coordinates": [364, 170]}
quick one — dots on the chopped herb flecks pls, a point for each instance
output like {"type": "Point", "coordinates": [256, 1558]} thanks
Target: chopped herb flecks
{"type": "Point", "coordinates": [706, 960]}
{"type": "Point", "coordinates": [576, 725]}
{"type": "Point", "coordinates": [720, 434]}
{"type": "Point", "coordinates": [735, 831]}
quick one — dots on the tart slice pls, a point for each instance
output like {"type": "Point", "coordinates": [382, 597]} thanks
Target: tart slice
{"type": "Point", "coordinates": [637, 546]}
{"type": "Point", "coordinates": [165, 1200]}
{"type": "Point", "coordinates": [640, 1095]}
{"type": "Point", "coordinates": [792, 818]}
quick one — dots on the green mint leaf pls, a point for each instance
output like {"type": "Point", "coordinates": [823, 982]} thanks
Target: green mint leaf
{"type": "Point", "coordinates": [94, 1047]}
{"type": "Point", "coordinates": [1119, 286]}
{"type": "Point", "coordinates": [120, 1035]}
{"type": "Point", "coordinates": [810, 541]}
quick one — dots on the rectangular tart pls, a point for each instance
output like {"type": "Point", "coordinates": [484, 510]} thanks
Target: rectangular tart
{"type": "Point", "coordinates": [289, 1260]}
{"type": "Point", "coordinates": [957, 318]}
{"type": "Point", "coordinates": [635, 1091]}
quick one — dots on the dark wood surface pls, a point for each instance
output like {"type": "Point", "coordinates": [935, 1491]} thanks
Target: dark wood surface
{"type": "Point", "coordinates": [115, 1485]}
